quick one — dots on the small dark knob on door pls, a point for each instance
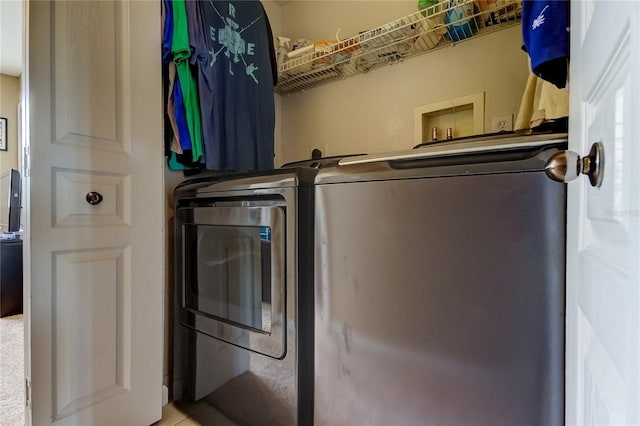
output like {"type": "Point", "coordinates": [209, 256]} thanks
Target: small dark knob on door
{"type": "Point", "coordinates": [94, 198]}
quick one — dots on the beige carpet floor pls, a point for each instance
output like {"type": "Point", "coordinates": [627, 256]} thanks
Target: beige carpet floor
{"type": "Point", "coordinates": [12, 371]}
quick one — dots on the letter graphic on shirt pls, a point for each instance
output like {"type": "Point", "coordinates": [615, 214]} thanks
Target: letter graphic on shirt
{"type": "Point", "coordinates": [250, 71]}
{"type": "Point", "coordinates": [232, 43]}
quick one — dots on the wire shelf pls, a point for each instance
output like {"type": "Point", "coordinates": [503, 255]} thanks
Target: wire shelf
{"type": "Point", "coordinates": [432, 28]}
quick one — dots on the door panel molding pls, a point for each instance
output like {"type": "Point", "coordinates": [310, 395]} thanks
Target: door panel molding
{"type": "Point", "coordinates": [90, 77]}
{"type": "Point", "coordinates": [91, 316]}
{"type": "Point", "coordinates": [71, 207]}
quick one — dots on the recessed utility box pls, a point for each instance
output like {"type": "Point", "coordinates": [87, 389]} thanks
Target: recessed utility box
{"type": "Point", "coordinates": [463, 115]}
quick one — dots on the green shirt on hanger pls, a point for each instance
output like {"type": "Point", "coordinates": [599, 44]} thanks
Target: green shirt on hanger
{"type": "Point", "coordinates": [181, 50]}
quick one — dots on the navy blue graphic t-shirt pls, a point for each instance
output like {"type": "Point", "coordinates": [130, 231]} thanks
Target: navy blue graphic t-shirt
{"type": "Point", "coordinates": [233, 52]}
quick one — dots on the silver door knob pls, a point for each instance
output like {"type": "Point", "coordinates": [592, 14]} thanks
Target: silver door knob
{"type": "Point", "coordinates": [565, 166]}
{"type": "Point", "coordinates": [94, 198]}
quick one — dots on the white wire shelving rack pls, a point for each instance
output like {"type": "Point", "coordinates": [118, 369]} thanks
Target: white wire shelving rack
{"type": "Point", "coordinates": [432, 28]}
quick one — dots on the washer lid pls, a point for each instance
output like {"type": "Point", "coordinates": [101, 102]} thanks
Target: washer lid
{"type": "Point", "coordinates": [455, 158]}
{"type": "Point", "coordinates": [461, 147]}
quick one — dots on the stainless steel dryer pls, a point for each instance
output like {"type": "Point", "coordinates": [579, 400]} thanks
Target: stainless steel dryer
{"type": "Point", "coordinates": [243, 308]}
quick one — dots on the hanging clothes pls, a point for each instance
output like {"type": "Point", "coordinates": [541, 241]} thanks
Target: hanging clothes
{"type": "Point", "coordinates": [236, 62]}
{"type": "Point", "coordinates": [541, 103]}
{"type": "Point", "coordinates": [176, 129]}
{"type": "Point", "coordinates": [545, 30]}
{"type": "Point", "coordinates": [167, 35]}
{"type": "Point", "coordinates": [167, 30]}
{"type": "Point", "coordinates": [171, 110]}
{"type": "Point", "coordinates": [185, 84]}
{"type": "Point", "coordinates": [180, 116]}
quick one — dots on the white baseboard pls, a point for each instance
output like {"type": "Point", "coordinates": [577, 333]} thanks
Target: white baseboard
{"type": "Point", "coordinates": [165, 395]}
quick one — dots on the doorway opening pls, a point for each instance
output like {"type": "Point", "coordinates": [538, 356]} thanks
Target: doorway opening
{"type": "Point", "coordinates": [12, 346]}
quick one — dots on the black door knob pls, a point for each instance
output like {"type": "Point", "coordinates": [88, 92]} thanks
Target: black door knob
{"type": "Point", "coordinates": [94, 198]}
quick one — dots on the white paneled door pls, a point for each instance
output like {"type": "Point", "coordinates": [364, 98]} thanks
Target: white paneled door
{"type": "Point", "coordinates": [603, 232]}
{"type": "Point", "coordinates": [94, 204]}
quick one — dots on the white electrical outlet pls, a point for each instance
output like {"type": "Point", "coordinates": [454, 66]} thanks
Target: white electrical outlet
{"type": "Point", "coordinates": [502, 123]}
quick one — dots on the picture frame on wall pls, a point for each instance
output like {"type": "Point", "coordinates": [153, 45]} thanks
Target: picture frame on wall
{"type": "Point", "coordinates": [3, 134]}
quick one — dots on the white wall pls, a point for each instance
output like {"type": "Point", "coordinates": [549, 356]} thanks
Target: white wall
{"type": "Point", "coordinates": [319, 20]}
{"type": "Point", "coordinates": [274, 12]}
{"type": "Point", "coordinates": [9, 98]}
{"type": "Point", "coordinates": [373, 112]}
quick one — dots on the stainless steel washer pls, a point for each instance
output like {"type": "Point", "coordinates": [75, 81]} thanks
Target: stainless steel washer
{"type": "Point", "coordinates": [440, 286]}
